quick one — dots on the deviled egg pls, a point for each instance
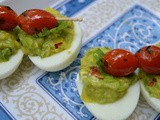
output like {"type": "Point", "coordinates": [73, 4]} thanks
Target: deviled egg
{"type": "Point", "coordinates": [110, 92]}
{"type": "Point", "coordinates": [51, 45]}
{"type": "Point", "coordinates": [149, 74]}
{"type": "Point", "coordinates": [10, 52]}
{"type": "Point", "coordinates": [150, 90]}
{"type": "Point", "coordinates": [8, 67]}
{"type": "Point", "coordinates": [63, 59]}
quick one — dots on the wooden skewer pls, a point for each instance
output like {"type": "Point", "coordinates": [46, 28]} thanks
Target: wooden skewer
{"type": "Point", "coordinates": [69, 19]}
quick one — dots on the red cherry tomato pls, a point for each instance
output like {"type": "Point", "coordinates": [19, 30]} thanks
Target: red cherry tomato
{"type": "Point", "coordinates": [8, 18]}
{"type": "Point", "coordinates": [119, 62]}
{"type": "Point", "coordinates": [149, 59]}
{"type": "Point", "coordinates": [34, 20]}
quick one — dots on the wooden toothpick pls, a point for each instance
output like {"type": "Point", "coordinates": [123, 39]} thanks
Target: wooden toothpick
{"type": "Point", "coordinates": [69, 19]}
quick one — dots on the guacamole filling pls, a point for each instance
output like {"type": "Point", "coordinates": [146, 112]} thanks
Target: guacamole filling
{"type": "Point", "coordinates": [48, 42]}
{"type": "Point", "coordinates": [98, 86]}
{"type": "Point", "coordinates": [151, 83]}
{"type": "Point", "coordinates": [8, 45]}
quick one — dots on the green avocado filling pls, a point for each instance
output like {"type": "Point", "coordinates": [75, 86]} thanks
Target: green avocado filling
{"type": "Point", "coordinates": [151, 83]}
{"type": "Point", "coordinates": [8, 45]}
{"type": "Point", "coordinates": [48, 42]}
{"type": "Point", "coordinates": [98, 86]}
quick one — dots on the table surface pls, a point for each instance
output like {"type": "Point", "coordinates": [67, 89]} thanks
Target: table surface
{"type": "Point", "coordinates": [33, 94]}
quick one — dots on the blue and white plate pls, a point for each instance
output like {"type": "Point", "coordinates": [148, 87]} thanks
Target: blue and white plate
{"type": "Point", "coordinates": [131, 30]}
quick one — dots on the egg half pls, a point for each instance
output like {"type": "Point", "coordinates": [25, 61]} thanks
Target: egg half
{"type": "Point", "coordinates": [154, 102]}
{"type": "Point", "coordinates": [63, 59]}
{"type": "Point", "coordinates": [118, 110]}
{"type": "Point", "coordinates": [7, 68]}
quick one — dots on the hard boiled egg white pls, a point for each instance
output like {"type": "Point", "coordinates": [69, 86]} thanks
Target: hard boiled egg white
{"type": "Point", "coordinates": [63, 59]}
{"type": "Point", "coordinates": [7, 68]}
{"type": "Point", "coordinates": [155, 103]}
{"type": "Point", "coordinates": [119, 110]}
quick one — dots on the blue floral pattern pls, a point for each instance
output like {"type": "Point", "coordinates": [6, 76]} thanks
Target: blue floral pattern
{"type": "Point", "coordinates": [73, 6]}
{"type": "Point", "coordinates": [62, 87]}
{"type": "Point", "coordinates": [135, 29]}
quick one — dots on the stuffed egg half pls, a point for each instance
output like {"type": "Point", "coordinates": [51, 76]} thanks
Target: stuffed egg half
{"type": "Point", "coordinates": [62, 59]}
{"type": "Point", "coordinates": [52, 49]}
{"type": "Point", "coordinates": [10, 53]}
{"type": "Point", "coordinates": [106, 97]}
{"type": "Point", "coordinates": [149, 74]}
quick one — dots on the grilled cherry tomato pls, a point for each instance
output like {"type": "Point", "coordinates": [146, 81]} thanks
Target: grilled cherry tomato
{"type": "Point", "coordinates": [119, 62]}
{"type": "Point", "coordinates": [34, 20]}
{"type": "Point", "coordinates": [149, 59]}
{"type": "Point", "coordinates": [8, 18]}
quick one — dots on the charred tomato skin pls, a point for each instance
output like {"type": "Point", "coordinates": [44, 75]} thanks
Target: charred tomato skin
{"type": "Point", "coordinates": [149, 59]}
{"type": "Point", "coordinates": [8, 18]}
{"type": "Point", "coordinates": [119, 62]}
{"type": "Point", "coordinates": [34, 21]}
